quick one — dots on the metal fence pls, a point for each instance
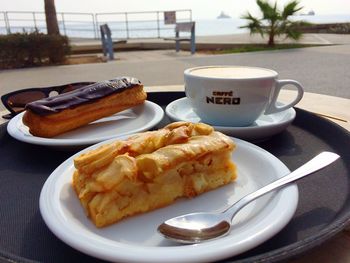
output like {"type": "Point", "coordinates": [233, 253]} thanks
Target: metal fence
{"type": "Point", "coordinates": [124, 25]}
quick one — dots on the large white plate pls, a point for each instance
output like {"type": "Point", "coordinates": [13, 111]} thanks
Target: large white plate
{"type": "Point", "coordinates": [264, 127]}
{"type": "Point", "coordinates": [136, 119]}
{"type": "Point", "coordinates": [136, 240]}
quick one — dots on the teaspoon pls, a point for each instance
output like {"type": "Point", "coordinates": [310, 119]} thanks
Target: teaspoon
{"type": "Point", "coordinates": [204, 226]}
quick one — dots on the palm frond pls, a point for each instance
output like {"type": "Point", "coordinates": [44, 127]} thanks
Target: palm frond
{"type": "Point", "coordinates": [275, 22]}
{"type": "Point", "coordinates": [290, 32]}
{"type": "Point", "coordinates": [300, 23]}
{"type": "Point", "coordinates": [254, 24]}
{"type": "Point", "coordinates": [275, 7]}
{"type": "Point", "coordinates": [247, 16]}
{"type": "Point", "coordinates": [269, 12]}
{"type": "Point", "coordinates": [290, 9]}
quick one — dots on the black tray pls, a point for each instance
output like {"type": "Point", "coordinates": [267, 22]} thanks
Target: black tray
{"type": "Point", "coordinates": [323, 209]}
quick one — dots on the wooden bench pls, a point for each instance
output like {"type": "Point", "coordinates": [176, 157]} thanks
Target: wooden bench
{"type": "Point", "coordinates": [107, 42]}
{"type": "Point", "coordinates": [184, 27]}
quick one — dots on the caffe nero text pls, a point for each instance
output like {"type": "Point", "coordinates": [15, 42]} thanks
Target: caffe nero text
{"type": "Point", "coordinates": [223, 97]}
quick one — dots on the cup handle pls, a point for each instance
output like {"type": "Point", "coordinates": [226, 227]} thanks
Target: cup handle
{"type": "Point", "coordinates": [272, 107]}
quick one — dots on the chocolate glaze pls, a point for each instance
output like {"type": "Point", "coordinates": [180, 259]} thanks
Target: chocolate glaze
{"type": "Point", "coordinates": [82, 95]}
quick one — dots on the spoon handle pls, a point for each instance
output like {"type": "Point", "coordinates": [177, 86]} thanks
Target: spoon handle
{"type": "Point", "coordinates": [315, 164]}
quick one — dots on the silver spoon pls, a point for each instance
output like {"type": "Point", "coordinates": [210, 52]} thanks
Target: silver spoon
{"type": "Point", "coordinates": [199, 227]}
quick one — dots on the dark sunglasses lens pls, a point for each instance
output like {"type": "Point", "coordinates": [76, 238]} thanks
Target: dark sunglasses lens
{"type": "Point", "coordinates": [8, 116]}
{"type": "Point", "coordinates": [17, 102]}
{"type": "Point", "coordinates": [75, 86]}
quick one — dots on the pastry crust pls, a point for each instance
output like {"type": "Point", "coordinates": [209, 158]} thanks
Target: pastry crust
{"type": "Point", "coordinates": [71, 118]}
{"type": "Point", "coordinates": [151, 170]}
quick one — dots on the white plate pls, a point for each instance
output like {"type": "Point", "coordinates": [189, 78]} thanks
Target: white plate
{"type": "Point", "coordinates": [136, 119]}
{"type": "Point", "coordinates": [136, 239]}
{"type": "Point", "coordinates": [264, 127]}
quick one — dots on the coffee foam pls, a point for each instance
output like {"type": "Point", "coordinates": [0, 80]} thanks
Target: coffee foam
{"type": "Point", "coordinates": [232, 72]}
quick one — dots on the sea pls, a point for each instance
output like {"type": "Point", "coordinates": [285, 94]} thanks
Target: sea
{"type": "Point", "coordinates": [157, 29]}
{"type": "Point", "coordinates": [227, 26]}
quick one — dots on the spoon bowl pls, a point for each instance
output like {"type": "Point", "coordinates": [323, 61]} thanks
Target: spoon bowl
{"type": "Point", "coordinates": [204, 226]}
{"type": "Point", "coordinates": [195, 227]}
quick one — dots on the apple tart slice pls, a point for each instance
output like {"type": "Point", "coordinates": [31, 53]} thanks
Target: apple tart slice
{"type": "Point", "coordinates": [151, 170]}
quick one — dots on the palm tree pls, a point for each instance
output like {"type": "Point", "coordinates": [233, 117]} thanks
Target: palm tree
{"type": "Point", "coordinates": [51, 18]}
{"type": "Point", "coordinates": [275, 22]}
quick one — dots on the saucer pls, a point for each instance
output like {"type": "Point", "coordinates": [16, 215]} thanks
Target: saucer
{"type": "Point", "coordinates": [137, 119]}
{"type": "Point", "coordinates": [135, 239]}
{"type": "Point", "coordinates": [264, 127]}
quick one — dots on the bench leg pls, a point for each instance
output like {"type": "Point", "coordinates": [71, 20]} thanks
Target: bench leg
{"type": "Point", "coordinates": [110, 49]}
{"type": "Point", "coordinates": [177, 42]}
{"type": "Point", "coordinates": [193, 42]}
{"type": "Point", "coordinates": [193, 46]}
{"type": "Point", "coordinates": [177, 46]}
{"type": "Point", "coordinates": [104, 49]}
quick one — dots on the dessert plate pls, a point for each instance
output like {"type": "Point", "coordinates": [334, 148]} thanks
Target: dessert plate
{"type": "Point", "coordinates": [136, 119]}
{"type": "Point", "coordinates": [263, 128]}
{"type": "Point", "coordinates": [136, 239]}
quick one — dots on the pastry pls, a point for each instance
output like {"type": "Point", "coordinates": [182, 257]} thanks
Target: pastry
{"type": "Point", "coordinates": [52, 116]}
{"type": "Point", "coordinates": [151, 170]}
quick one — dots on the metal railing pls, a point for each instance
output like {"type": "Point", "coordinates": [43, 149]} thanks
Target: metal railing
{"type": "Point", "coordinates": [124, 25]}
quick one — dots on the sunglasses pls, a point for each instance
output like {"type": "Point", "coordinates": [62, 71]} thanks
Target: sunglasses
{"type": "Point", "coordinates": [16, 101]}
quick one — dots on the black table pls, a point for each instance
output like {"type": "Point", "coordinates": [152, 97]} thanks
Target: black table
{"type": "Point", "coordinates": [323, 209]}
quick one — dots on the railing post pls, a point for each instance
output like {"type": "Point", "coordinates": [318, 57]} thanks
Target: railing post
{"type": "Point", "coordinates": [7, 23]}
{"type": "Point", "coordinates": [34, 20]}
{"type": "Point", "coordinates": [127, 25]}
{"type": "Point", "coordinates": [97, 27]}
{"type": "Point", "coordinates": [158, 28]}
{"type": "Point", "coordinates": [64, 25]}
{"type": "Point", "coordinates": [94, 25]}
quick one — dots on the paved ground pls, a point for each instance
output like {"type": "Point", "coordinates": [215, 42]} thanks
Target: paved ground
{"type": "Point", "coordinates": [322, 69]}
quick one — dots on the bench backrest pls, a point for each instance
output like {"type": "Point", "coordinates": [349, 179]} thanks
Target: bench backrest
{"type": "Point", "coordinates": [184, 27]}
{"type": "Point", "coordinates": [105, 30]}
{"type": "Point", "coordinates": [107, 43]}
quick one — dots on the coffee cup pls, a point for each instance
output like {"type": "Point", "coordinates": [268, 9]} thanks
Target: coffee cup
{"type": "Point", "coordinates": [235, 95]}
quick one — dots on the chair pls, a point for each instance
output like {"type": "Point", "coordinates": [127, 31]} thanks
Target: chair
{"type": "Point", "coordinates": [107, 42]}
{"type": "Point", "coordinates": [184, 27]}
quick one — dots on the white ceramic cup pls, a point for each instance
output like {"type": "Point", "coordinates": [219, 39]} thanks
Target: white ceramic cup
{"type": "Point", "coordinates": [235, 95]}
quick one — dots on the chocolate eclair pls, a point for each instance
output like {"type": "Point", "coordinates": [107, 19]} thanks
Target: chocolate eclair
{"type": "Point", "coordinates": [52, 116]}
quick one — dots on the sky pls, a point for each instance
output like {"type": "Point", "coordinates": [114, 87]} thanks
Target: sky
{"type": "Point", "coordinates": [201, 9]}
